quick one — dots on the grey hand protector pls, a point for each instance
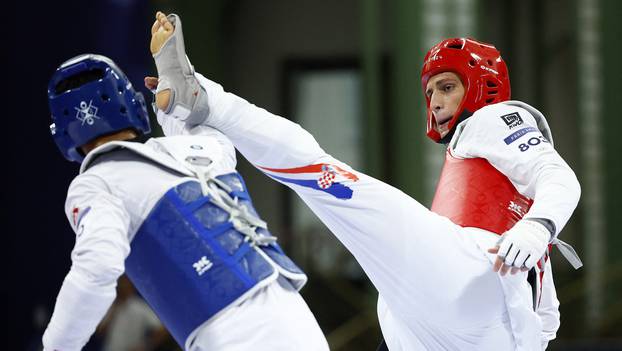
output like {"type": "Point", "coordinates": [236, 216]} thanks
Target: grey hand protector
{"type": "Point", "coordinates": [177, 73]}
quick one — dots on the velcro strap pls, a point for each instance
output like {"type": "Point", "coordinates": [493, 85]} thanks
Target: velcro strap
{"type": "Point", "coordinates": [568, 252]}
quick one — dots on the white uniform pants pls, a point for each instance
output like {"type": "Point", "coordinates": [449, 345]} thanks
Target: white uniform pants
{"type": "Point", "coordinates": [276, 318]}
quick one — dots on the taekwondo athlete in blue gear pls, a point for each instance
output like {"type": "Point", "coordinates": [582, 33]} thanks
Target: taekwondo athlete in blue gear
{"type": "Point", "coordinates": [175, 216]}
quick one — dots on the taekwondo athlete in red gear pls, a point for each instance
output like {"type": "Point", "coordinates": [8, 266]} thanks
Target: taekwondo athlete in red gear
{"type": "Point", "coordinates": [486, 186]}
{"type": "Point", "coordinates": [435, 278]}
{"type": "Point", "coordinates": [175, 216]}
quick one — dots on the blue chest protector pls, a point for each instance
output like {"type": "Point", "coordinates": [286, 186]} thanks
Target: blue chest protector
{"type": "Point", "coordinates": [189, 262]}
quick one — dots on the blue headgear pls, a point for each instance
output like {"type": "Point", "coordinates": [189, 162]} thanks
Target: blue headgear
{"type": "Point", "coordinates": [89, 97]}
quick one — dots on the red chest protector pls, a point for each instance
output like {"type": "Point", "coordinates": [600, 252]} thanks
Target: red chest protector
{"type": "Point", "coordinates": [472, 193]}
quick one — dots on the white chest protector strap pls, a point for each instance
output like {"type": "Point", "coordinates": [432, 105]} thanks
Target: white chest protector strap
{"type": "Point", "coordinates": [201, 160]}
{"type": "Point", "coordinates": [141, 149]}
{"type": "Point", "coordinates": [198, 158]}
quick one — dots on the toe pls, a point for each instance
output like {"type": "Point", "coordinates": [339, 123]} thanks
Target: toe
{"type": "Point", "coordinates": [155, 27]}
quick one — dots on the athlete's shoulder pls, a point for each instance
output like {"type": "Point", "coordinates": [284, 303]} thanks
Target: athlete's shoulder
{"type": "Point", "coordinates": [507, 115]}
{"type": "Point", "coordinates": [83, 189]}
{"type": "Point", "coordinates": [87, 182]}
{"type": "Point", "coordinates": [501, 124]}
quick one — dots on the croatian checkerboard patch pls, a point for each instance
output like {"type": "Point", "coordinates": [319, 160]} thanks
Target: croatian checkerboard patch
{"type": "Point", "coordinates": [324, 177]}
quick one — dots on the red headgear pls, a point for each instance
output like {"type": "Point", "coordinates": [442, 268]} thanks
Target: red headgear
{"type": "Point", "coordinates": [481, 70]}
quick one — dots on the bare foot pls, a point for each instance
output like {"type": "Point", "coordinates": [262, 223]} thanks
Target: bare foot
{"type": "Point", "coordinates": [161, 30]}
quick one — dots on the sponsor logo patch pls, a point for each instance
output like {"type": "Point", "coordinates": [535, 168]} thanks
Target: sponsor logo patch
{"type": "Point", "coordinates": [519, 133]}
{"type": "Point", "coordinates": [202, 265]}
{"type": "Point", "coordinates": [537, 140]}
{"type": "Point", "coordinates": [512, 120]}
{"type": "Point", "coordinates": [516, 208]}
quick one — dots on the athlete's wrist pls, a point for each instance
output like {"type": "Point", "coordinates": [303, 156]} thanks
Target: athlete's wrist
{"type": "Point", "coordinates": [547, 223]}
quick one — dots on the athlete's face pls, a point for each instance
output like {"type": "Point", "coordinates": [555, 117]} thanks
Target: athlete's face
{"type": "Point", "coordinates": [445, 91]}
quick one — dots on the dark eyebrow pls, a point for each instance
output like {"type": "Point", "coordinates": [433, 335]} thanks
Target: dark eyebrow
{"type": "Point", "coordinates": [439, 83]}
{"type": "Point", "coordinates": [445, 80]}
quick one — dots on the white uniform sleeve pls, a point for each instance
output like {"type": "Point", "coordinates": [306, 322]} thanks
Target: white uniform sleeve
{"type": "Point", "coordinates": [101, 226]}
{"type": "Point", "coordinates": [508, 137]}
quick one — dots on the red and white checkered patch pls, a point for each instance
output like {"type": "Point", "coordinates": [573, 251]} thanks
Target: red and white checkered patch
{"type": "Point", "coordinates": [326, 180]}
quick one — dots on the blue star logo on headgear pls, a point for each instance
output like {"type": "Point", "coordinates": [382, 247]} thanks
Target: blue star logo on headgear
{"type": "Point", "coordinates": [87, 113]}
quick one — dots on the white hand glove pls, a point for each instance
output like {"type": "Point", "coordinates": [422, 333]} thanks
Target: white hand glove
{"type": "Point", "coordinates": [524, 244]}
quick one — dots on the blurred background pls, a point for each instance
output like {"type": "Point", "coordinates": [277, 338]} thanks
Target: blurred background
{"type": "Point", "coordinates": [348, 71]}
